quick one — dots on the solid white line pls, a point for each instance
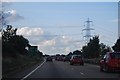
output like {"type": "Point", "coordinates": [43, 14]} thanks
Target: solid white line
{"type": "Point", "coordinates": [33, 71]}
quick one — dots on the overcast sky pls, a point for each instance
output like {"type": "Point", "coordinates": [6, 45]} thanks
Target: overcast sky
{"type": "Point", "coordinates": [56, 27]}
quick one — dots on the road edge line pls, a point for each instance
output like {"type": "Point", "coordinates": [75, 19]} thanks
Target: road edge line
{"type": "Point", "coordinates": [33, 70]}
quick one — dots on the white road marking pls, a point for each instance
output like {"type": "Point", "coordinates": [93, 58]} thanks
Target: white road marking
{"type": "Point", "coordinates": [72, 68]}
{"type": "Point", "coordinates": [95, 66]}
{"type": "Point", "coordinates": [82, 73]}
{"type": "Point", "coordinates": [33, 71]}
{"type": "Point", "coordinates": [98, 66]}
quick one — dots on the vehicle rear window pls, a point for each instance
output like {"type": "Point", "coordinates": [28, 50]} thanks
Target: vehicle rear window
{"type": "Point", "coordinates": [115, 55]}
{"type": "Point", "coordinates": [77, 57]}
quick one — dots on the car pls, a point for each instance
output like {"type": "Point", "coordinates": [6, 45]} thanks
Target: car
{"type": "Point", "coordinates": [76, 59]}
{"type": "Point", "coordinates": [66, 58]}
{"type": "Point", "coordinates": [49, 58]}
{"type": "Point", "coordinates": [110, 62]}
{"type": "Point", "coordinates": [59, 58]}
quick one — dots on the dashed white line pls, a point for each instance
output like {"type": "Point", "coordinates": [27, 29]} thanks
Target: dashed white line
{"type": "Point", "coordinates": [33, 71]}
{"type": "Point", "coordinates": [98, 66]}
{"type": "Point", "coordinates": [82, 73]}
{"type": "Point", "coordinates": [72, 68]}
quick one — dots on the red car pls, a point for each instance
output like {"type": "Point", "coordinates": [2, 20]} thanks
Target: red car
{"type": "Point", "coordinates": [76, 59]}
{"type": "Point", "coordinates": [110, 62]}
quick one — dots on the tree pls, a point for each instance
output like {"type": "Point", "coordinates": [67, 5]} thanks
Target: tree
{"type": "Point", "coordinates": [3, 17]}
{"type": "Point", "coordinates": [8, 33]}
{"type": "Point", "coordinates": [40, 53]}
{"type": "Point", "coordinates": [104, 49]}
{"type": "Point", "coordinates": [19, 43]}
{"type": "Point", "coordinates": [116, 47]}
{"type": "Point", "coordinates": [85, 52]}
{"type": "Point", "coordinates": [77, 52]}
{"type": "Point", "coordinates": [12, 43]}
{"type": "Point", "coordinates": [69, 54]}
{"type": "Point", "coordinates": [92, 50]}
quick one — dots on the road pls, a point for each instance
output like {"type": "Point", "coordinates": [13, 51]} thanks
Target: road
{"type": "Point", "coordinates": [59, 69]}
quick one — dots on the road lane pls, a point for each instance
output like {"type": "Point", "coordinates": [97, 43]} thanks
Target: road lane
{"type": "Point", "coordinates": [58, 69]}
{"type": "Point", "coordinates": [94, 72]}
{"type": "Point", "coordinates": [55, 70]}
{"type": "Point", "coordinates": [33, 71]}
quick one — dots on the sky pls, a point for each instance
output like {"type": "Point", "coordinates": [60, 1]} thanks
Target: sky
{"type": "Point", "coordinates": [56, 27]}
{"type": "Point", "coordinates": [61, 0]}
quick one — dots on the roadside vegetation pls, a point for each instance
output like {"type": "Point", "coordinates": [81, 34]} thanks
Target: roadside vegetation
{"type": "Point", "coordinates": [95, 50]}
{"type": "Point", "coordinates": [15, 55]}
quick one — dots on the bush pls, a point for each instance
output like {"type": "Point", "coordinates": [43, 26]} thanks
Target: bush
{"type": "Point", "coordinates": [93, 61]}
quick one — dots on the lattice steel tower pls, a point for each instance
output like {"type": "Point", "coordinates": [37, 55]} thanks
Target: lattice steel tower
{"type": "Point", "coordinates": [88, 35]}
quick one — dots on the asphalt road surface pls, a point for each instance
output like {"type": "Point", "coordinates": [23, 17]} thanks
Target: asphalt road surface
{"type": "Point", "coordinates": [59, 69]}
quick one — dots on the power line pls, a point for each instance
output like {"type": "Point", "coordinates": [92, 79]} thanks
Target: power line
{"type": "Point", "coordinates": [67, 26]}
{"type": "Point", "coordinates": [106, 30]}
{"type": "Point", "coordinates": [73, 26]}
{"type": "Point", "coordinates": [50, 35]}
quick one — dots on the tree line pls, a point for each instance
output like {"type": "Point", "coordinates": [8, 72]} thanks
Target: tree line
{"type": "Point", "coordinates": [95, 49]}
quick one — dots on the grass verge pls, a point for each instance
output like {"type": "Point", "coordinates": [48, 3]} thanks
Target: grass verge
{"type": "Point", "coordinates": [11, 65]}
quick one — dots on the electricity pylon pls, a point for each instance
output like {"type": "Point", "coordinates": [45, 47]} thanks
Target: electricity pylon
{"type": "Point", "coordinates": [88, 30]}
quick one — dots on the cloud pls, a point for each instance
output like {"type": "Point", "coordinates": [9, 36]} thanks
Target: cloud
{"type": "Point", "coordinates": [5, 0]}
{"type": "Point", "coordinates": [115, 20]}
{"type": "Point", "coordinates": [58, 44]}
{"type": "Point", "coordinates": [67, 49]}
{"type": "Point", "coordinates": [48, 43]}
{"type": "Point", "coordinates": [8, 16]}
{"type": "Point", "coordinates": [30, 32]}
{"type": "Point", "coordinates": [12, 16]}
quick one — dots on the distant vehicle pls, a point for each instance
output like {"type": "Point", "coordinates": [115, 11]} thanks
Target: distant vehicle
{"type": "Point", "coordinates": [76, 59]}
{"type": "Point", "coordinates": [59, 58]}
{"type": "Point", "coordinates": [49, 58]}
{"type": "Point", "coordinates": [66, 58]}
{"type": "Point", "coordinates": [110, 62]}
